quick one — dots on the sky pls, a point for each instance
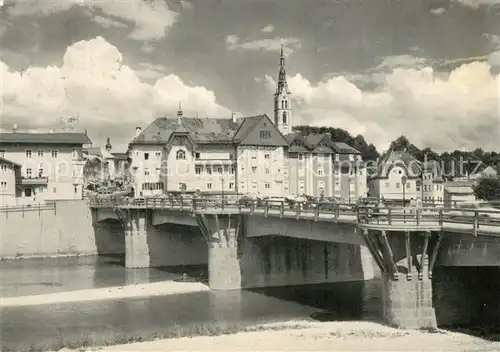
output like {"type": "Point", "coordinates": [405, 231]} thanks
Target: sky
{"type": "Point", "coordinates": [427, 69]}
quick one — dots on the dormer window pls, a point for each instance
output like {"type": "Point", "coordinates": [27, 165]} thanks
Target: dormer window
{"type": "Point", "coordinates": [180, 155]}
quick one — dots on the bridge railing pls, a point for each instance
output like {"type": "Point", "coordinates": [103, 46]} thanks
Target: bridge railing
{"type": "Point", "coordinates": [364, 214]}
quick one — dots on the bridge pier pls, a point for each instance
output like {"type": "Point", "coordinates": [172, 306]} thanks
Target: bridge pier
{"type": "Point", "coordinates": [136, 239]}
{"type": "Point", "coordinates": [224, 235]}
{"type": "Point", "coordinates": [407, 276]}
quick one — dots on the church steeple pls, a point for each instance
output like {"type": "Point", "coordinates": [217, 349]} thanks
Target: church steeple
{"type": "Point", "coordinates": [282, 101]}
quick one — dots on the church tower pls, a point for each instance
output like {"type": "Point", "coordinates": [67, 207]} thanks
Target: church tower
{"type": "Point", "coordinates": [282, 100]}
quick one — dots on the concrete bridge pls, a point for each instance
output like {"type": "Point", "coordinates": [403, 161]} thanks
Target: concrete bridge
{"type": "Point", "coordinates": [273, 244]}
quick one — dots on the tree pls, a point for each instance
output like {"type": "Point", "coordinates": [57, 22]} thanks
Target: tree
{"type": "Point", "coordinates": [488, 188]}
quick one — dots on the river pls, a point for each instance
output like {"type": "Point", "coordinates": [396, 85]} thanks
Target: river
{"type": "Point", "coordinates": [52, 326]}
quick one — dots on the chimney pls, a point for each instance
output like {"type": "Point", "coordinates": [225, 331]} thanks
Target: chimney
{"type": "Point", "coordinates": [233, 117]}
{"type": "Point", "coordinates": [14, 128]}
{"type": "Point", "coordinates": [138, 130]}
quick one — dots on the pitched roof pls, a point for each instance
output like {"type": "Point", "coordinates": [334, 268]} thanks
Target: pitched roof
{"type": "Point", "coordinates": [44, 138]}
{"type": "Point", "coordinates": [202, 130]}
{"type": "Point", "coordinates": [392, 158]}
{"type": "Point", "coordinates": [120, 156]}
{"type": "Point", "coordinates": [3, 160]}
{"type": "Point", "coordinates": [311, 141]}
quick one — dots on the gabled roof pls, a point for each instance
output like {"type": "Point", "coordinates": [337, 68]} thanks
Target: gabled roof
{"type": "Point", "coordinates": [202, 130]}
{"type": "Point", "coordinates": [44, 138]}
{"type": "Point", "coordinates": [6, 161]}
{"type": "Point", "coordinates": [397, 158]}
{"type": "Point", "coordinates": [310, 142]}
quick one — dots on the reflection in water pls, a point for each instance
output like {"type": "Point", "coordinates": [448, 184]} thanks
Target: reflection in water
{"type": "Point", "coordinates": [51, 275]}
{"type": "Point", "coordinates": [50, 326]}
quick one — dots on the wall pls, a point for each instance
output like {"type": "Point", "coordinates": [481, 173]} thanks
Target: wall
{"type": "Point", "coordinates": [8, 183]}
{"type": "Point", "coordinates": [67, 231]}
{"type": "Point", "coordinates": [467, 250]}
{"type": "Point", "coordinates": [153, 165]}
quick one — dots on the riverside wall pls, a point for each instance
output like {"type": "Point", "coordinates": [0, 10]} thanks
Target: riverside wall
{"type": "Point", "coordinates": [66, 231]}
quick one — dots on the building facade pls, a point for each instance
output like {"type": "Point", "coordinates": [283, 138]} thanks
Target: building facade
{"type": "Point", "coordinates": [399, 176]}
{"type": "Point", "coordinates": [50, 164]}
{"type": "Point", "coordinates": [252, 155]}
{"type": "Point", "coordinates": [10, 176]}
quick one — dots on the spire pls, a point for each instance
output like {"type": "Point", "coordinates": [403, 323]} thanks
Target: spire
{"type": "Point", "coordinates": [179, 114]}
{"type": "Point", "coordinates": [282, 84]}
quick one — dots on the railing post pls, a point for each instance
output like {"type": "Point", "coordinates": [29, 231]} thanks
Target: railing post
{"type": "Point", "coordinates": [266, 207]}
{"type": "Point", "coordinates": [252, 207]}
{"type": "Point", "coordinates": [337, 211]}
{"type": "Point", "coordinates": [418, 217]}
{"type": "Point", "coordinates": [39, 209]}
{"type": "Point", "coordinates": [193, 204]}
{"type": "Point", "coordinates": [298, 210]}
{"type": "Point", "coordinates": [389, 216]}
{"type": "Point", "coordinates": [182, 203]}
{"type": "Point", "coordinates": [282, 209]}
{"type": "Point", "coordinates": [222, 203]}
{"type": "Point", "coordinates": [440, 217]}
{"type": "Point", "coordinates": [316, 212]}
{"type": "Point", "coordinates": [22, 210]}
{"type": "Point", "coordinates": [476, 222]}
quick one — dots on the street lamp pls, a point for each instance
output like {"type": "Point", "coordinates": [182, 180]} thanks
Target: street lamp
{"type": "Point", "coordinates": [403, 180]}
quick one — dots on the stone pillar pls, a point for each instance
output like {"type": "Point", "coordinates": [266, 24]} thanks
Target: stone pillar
{"type": "Point", "coordinates": [136, 239]}
{"type": "Point", "coordinates": [406, 276]}
{"type": "Point", "coordinates": [222, 232]}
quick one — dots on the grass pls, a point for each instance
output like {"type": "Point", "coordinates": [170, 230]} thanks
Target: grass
{"type": "Point", "coordinates": [109, 337]}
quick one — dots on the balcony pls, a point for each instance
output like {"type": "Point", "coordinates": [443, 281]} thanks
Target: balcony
{"type": "Point", "coordinates": [32, 181]}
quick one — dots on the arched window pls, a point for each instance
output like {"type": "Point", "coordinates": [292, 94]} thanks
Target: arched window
{"type": "Point", "coordinates": [180, 155]}
{"type": "Point", "coordinates": [282, 104]}
{"type": "Point", "coordinates": [286, 104]}
{"type": "Point", "coordinates": [284, 117]}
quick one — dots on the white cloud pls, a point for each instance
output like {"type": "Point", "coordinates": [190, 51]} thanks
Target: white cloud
{"type": "Point", "coordinates": [107, 22]}
{"type": "Point", "coordinates": [458, 111]}
{"type": "Point", "coordinates": [93, 82]}
{"type": "Point", "coordinates": [151, 18]}
{"type": "Point", "coordinates": [186, 5]}
{"type": "Point", "coordinates": [400, 61]}
{"type": "Point", "coordinates": [268, 29]}
{"type": "Point", "coordinates": [290, 45]}
{"type": "Point", "coordinates": [477, 3]}
{"type": "Point", "coordinates": [438, 11]}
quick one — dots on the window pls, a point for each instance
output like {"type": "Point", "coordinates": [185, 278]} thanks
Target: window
{"type": "Point", "coordinates": [320, 172]}
{"type": "Point", "coordinates": [267, 185]}
{"type": "Point", "coordinates": [266, 156]}
{"type": "Point", "coordinates": [254, 169]}
{"type": "Point", "coordinates": [54, 190]}
{"type": "Point", "coordinates": [282, 104]}
{"type": "Point", "coordinates": [158, 154]}
{"type": "Point", "coordinates": [180, 155]}
{"type": "Point", "coordinates": [28, 173]}
{"type": "Point", "coordinates": [267, 171]}
{"type": "Point", "coordinates": [408, 185]}
{"type": "Point", "coordinates": [337, 157]}
{"type": "Point", "coordinates": [197, 170]}
{"type": "Point", "coordinates": [182, 186]}
{"type": "Point", "coordinates": [209, 186]}
{"type": "Point", "coordinates": [209, 170]}
{"type": "Point", "coordinates": [146, 156]}
{"type": "Point", "coordinates": [218, 169]}
{"type": "Point", "coordinates": [254, 185]}
{"type": "Point", "coordinates": [28, 153]}
{"type": "Point", "coordinates": [54, 153]}
{"type": "Point", "coordinates": [4, 184]}
{"type": "Point", "coordinates": [397, 185]}
{"type": "Point", "coordinates": [231, 185]}
{"type": "Point", "coordinates": [242, 185]}
{"type": "Point", "coordinates": [27, 192]}
{"type": "Point", "coordinates": [2, 153]}
{"type": "Point", "coordinates": [146, 172]}
{"type": "Point", "coordinates": [232, 170]}
{"type": "Point", "coordinates": [40, 172]}
{"type": "Point", "coordinates": [265, 134]}
{"type": "Point", "coordinates": [3, 167]}
{"type": "Point", "coordinates": [226, 169]}
{"type": "Point", "coordinates": [301, 156]}
{"type": "Point", "coordinates": [197, 155]}
{"type": "Point", "coordinates": [40, 153]}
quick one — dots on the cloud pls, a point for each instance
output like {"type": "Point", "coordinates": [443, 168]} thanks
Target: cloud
{"type": "Point", "coordinates": [290, 44]}
{"type": "Point", "coordinates": [438, 11]}
{"type": "Point", "coordinates": [477, 3]}
{"type": "Point", "coordinates": [268, 29]}
{"type": "Point", "coordinates": [151, 18]}
{"type": "Point", "coordinates": [107, 22]}
{"type": "Point", "coordinates": [400, 61]}
{"type": "Point", "coordinates": [460, 110]}
{"type": "Point", "coordinates": [186, 5]}
{"type": "Point", "coordinates": [94, 83]}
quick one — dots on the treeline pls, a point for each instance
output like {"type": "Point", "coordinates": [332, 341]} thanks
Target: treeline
{"type": "Point", "coordinates": [466, 161]}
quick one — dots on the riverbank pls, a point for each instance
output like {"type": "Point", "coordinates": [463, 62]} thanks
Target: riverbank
{"type": "Point", "coordinates": [129, 291]}
{"type": "Point", "coordinates": [311, 336]}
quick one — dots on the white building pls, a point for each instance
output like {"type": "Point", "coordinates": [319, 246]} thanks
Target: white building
{"type": "Point", "coordinates": [400, 176]}
{"type": "Point", "coordinates": [50, 164]}
{"type": "Point", "coordinates": [249, 155]}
